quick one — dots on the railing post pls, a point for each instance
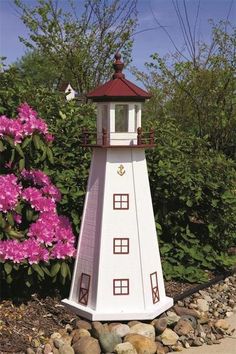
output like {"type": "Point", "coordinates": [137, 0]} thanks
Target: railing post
{"type": "Point", "coordinates": [152, 136]}
{"type": "Point", "coordinates": [139, 136]}
{"type": "Point", "coordinates": [104, 137]}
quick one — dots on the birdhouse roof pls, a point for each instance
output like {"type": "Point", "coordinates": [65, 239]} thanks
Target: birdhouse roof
{"type": "Point", "coordinates": [118, 88]}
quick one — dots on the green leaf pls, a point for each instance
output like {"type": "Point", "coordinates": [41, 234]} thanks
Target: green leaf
{"type": "Point", "coordinates": [2, 221]}
{"type": "Point", "coordinates": [2, 147]}
{"type": "Point", "coordinates": [38, 269]}
{"type": "Point", "coordinates": [19, 150]}
{"type": "Point", "coordinates": [64, 269]}
{"type": "Point", "coordinates": [55, 269]}
{"type": "Point", "coordinates": [46, 271]}
{"type": "Point", "coordinates": [9, 279]}
{"type": "Point", "coordinates": [7, 268]}
{"type": "Point", "coordinates": [50, 155]}
{"type": "Point", "coordinates": [10, 219]}
{"type": "Point", "coordinates": [29, 214]}
{"type": "Point", "coordinates": [26, 141]}
{"type": "Point", "coordinates": [36, 141]}
{"type": "Point", "coordinates": [21, 164]}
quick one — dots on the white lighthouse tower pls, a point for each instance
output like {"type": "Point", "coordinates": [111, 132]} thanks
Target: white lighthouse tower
{"type": "Point", "coordinates": [118, 273]}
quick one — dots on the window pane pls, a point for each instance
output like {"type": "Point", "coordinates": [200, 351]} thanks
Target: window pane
{"type": "Point", "coordinates": [121, 118]}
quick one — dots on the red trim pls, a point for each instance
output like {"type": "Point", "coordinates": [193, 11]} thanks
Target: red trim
{"type": "Point", "coordinates": [120, 201]}
{"type": "Point", "coordinates": [120, 287]}
{"type": "Point", "coordinates": [84, 290]}
{"type": "Point", "coordinates": [154, 286]}
{"type": "Point", "coordinates": [121, 247]}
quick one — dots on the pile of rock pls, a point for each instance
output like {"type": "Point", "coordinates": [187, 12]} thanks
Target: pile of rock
{"type": "Point", "coordinates": [194, 321]}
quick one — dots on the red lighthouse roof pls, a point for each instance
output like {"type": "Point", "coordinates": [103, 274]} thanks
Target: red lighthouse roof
{"type": "Point", "coordinates": [118, 88]}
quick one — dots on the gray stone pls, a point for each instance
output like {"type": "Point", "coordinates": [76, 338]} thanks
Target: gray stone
{"type": "Point", "coordinates": [108, 341]}
{"type": "Point", "coordinates": [181, 311]}
{"type": "Point", "coordinates": [146, 330]}
{"type": "Point", "coordinates": [87, 345]}
{"type": "Point", "coordinates": [98, 328]}
{"type": "Point", "coordinates": [172, 318]}
{"type": "Point", "coordinates": [197, 342]}
{"type": "Point", "coordinates": [169, 337]}
{"type": "Point", "coordinates": [125, 348]}
{"type": "Point", "coordinates": [78, 333]}
{"type": "Point", "coordinates": [160, 349]}
{"type": "Point", "coordinates": [58, 342]}
{"type": "Point", "coordinates": [120, 329]}
{"type": "Point", "coordinates": [47, 349]}
{"type": "Point", "coordinates": [66, 349]}
{"type": "Point", "coordinates": [191, 319]}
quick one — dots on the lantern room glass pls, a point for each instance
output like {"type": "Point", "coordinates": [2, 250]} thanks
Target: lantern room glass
{"type": "Point", "coordinates": [121, 118]}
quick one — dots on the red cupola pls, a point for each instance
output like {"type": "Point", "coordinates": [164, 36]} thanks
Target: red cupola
{"type": "Point", "coordinates": [119, 104]}
{"type": "Point", "coordinates": [118, 88]}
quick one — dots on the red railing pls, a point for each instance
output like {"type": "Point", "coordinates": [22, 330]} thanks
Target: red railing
{"type": "Point", "coordinates": [93, 139]}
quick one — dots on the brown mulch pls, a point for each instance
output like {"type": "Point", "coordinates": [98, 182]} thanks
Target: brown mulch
{"type": "Point", "coordinates": [35, 320]}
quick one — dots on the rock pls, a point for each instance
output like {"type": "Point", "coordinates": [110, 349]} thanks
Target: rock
{"type": "Point", "coordinates": [56, 335]}
{"type": "Point", "coordinates": [67, 339]}
{"type": "Point", "coordinates": [172, 318]}
{"type": "Point", "coordinates": [229, 313]}
{"type": "Point", "coordinates": [82, 324]}
{"type": "Point", "coordinates": [87, 345]}
{"type": "Point", "coordinates": [177, 348]}
{"type": "Point", "coordinates": [66, 349]}
{"type": "Point", "coordinates": [30, 351]}
{"type": "Point", "coordinates": [68, 328]}
{"type": "Point", "coordinates": [191, 319]}
{"type": "Point", "coordinates": [39, 351]}
{"type": "Point", "coordinates": [55, 350]}
{"type": "Point", "coordinates": [160, 325]}
{"type": "Point", "coordinates": [132, 323]}
{"type": "Point", "coordinates": [146, 330]}
{"type": "Point", "coordinates": [181, 311]}
{"type": "Point", "coordinates": [58, 342]}
{"type": "Point", "coordinates": [197, 342]}
{"type": "Point", "coordinates": [98, 328]}
{"type": "Point", "coordinates": [222, 324]}
{"type": "Point", "coordinates": [183, 327]}
{"type": "Point", "coordinates": [108, 341]}
{"type": "Point", "coordinates": [35, 343]}
{"type": "Point", "coordinates": [160, 349]}
{"type": "Point", "coordinates": [125, 348]}
{"type": "Point", "coordinates": [169, 337]}
{"type": "Point", "coordinates": [142, 344]}
{"type": "Point", "coordinates": [202, 305]}
{"type": "Point", "coordinates": [47, 349]}
{"type": "Point", "coordinates": [78, 333]}
{"type": "Point", "coordinates": [120, 329]}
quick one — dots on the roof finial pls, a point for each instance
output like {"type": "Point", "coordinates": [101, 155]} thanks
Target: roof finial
{"type": "Point", "coordinates": [118, 67]}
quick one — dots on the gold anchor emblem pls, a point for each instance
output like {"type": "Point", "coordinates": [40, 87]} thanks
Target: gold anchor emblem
{"type": "Point", "coordinates": [121, 170]}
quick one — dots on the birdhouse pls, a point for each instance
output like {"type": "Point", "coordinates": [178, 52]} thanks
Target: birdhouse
{"type": "Point", "coordinates": [118, 273]}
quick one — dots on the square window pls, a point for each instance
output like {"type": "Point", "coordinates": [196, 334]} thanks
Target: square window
{"type": "Point", "coordinates": [121, 117]}
{"type": "Point", "coordinates": [120, 286]}
{"type": "Point", "coordinates": [120, 246]}
{"type": "Point", "coordinates": [121, 201]}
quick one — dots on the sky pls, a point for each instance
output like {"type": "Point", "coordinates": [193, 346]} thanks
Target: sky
{"type": "Point", "coordinates": [150, 37]}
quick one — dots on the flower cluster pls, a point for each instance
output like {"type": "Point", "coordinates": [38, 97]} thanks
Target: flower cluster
{"type": "Point", "coordinates": [24, 125]}
{"type": "Point", "coordinates": [10, 192]}
{"type": "Point", "coordinates": [50, 236]}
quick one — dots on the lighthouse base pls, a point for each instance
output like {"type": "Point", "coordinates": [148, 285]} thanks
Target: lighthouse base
{"type": "Point", "coordinates": [92, 315]}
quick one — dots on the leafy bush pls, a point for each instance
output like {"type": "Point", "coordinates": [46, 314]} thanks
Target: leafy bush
{"type": "Point", "coordinates": [194, 198]}
{"type": "Point", "coordinates": [34, 240]}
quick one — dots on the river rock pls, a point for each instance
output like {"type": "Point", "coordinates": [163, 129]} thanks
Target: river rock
{"type": "Point", "coordinates": [82, 324]}
{"type": "Point", "coordinates": [202, 305]}
{"type": "Point", "coordinates": [78, 333]}
{"type": "Point", "coordinates": [58, 342]}
{"type": "Point", "coordinates": [120, 329]}
{"type": "Point", "coordinates": [146, 330]}
{"type": "Point", "coordinates": [47, 349]}
{"type": "Point", "coordinates": [142, 344]}
{"type": "Point", "coordinates": [160, 349]}
{"type": "Point", "coordinates": [87, 345]}
{"type": "Point", "coordinates": [30, 351]}
{"type": "Point", "coordinates": [172, 318]}
{"type": "Point", "coordinates": [98, 328]}
{"type": "Point", "coordinates": [183, 327]}
{"type": "Point", "coordinates": [66, 349]}
{"type": "Point", "coordinates": [222, 324]}
{"type": "Point", "coordinates": [191, 319]}
{"type": "Point", "coordinates": [181, 311]}
{"type": "Point", "coordinates": [169, 337]}
{"type": "Point", "coordinates": [108, 341]}
{"type": "Point", "coordinates": [125, 348]}
{"type": "Point", "coordinates": [160, 324]}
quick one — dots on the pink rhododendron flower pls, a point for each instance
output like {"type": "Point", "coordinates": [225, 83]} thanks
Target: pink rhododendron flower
{"type": "Point", "coordinates": [37, 177]}
{"type": "Point", "coordinates": [9, 192]}
{"type": "Point", "coordinates": [62, 250]}
{"type": "Point", "coordinates": [38, 201]}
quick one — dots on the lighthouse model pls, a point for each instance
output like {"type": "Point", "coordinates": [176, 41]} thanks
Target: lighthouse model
{"type": "Point", "coordinates": [118, 273]}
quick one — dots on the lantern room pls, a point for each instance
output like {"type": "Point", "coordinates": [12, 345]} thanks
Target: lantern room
{"type": "Point", "coordinates": [119, 105]}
